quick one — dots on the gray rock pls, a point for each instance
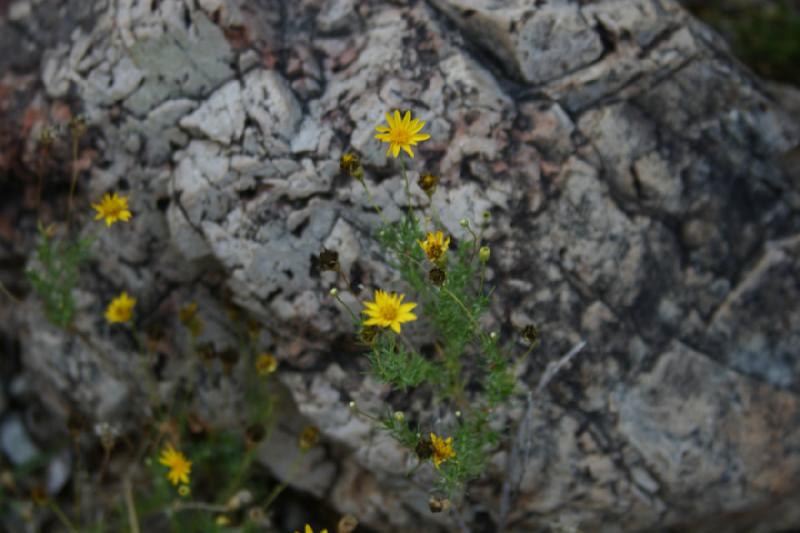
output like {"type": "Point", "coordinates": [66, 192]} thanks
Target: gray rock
{"type": "Point", "coordinates": [15, 442]}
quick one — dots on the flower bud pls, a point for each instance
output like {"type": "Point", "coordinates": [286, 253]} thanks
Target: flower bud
{"type": "Point", "coordinates": [334, 292]}
{"type": "Point", "coordinates": [464, 223]}
{"type": "Point", "coordinates": [484, 253]}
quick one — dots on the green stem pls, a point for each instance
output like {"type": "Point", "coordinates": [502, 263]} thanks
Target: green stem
{"type": "Point", "coordinates": [408, 187]}
{"type": "Point", "coordinates": [62, 517]}
{"type": "Point", "coordinates": [74, 179]}
{"type": "Point", "coordinates": [8, 294]}
{"type": "Point", "coordinates": [349, 310]}
{"type": "Point", "coordinates": [461, 304]}
{"type": "Point", "coordinates": [375, 206]}
{"type": "Point", "coordinates": [130, 505]}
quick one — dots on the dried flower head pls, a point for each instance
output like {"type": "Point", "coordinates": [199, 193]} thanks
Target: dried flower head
{"type": "Point", "coordinates": [388, 311]}
{"type": "Point", "coordinates": [531, 334]}
{"type": "Point", "coordinates": [266, 364]}
{"type": "Point", "coordinates": [39, 496]}
{"type": "Point", "coordinates": [437, 276]}
{"type": "Point", "coordinates": [442, 449]}
{"type": "Point", "coordinates": [435, 246]}
{"type": "Point", "coordinates": [401, 133]}
{"type": "Point", "coordinates": [350, 164]}
{"type": "Point", "coordinates": [308, 438]}
{"type": "Point", "coordinates": [112, 208]}
{"type": "Point", "coordinates": [120, 310]}
{"type": "Point", "coordinates": [428, 182]}
{"type": "Point", "coordinates": [229, 357]}
{"type": "Point", "coordinates": [179, 466]}
{"type": "Point", "coordinates": [328, 260]}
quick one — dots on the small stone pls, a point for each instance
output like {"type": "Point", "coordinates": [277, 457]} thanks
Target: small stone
{"type": "Point", "coordinates": [15, 442]}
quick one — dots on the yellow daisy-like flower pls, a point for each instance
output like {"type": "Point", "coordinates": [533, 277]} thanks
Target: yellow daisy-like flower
{"type": "Point", "coordinates": [401, 133]}
{"type": "Point", "coordinates": [435, 246]}
{"type": "Point", "coordinates": [388, 311]}
{"type": "Point", "coordinates": [266, 364]}
{"type": "Point", "coordinates": [112, 208]}
{"type": "Point", "coordinates": [179, 466]}
{"type": "Point", "coordinates": [309, 530]}
{"type": "Point", "coordinates": [442, 449]}
{"type": "Point", "coordinates": [120, 309]}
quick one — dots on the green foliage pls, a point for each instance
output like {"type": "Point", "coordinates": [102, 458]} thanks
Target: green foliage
{"type": "Point", "coordinates": [57, 275]}
{"type": "Point", "coordinates": [394, 364]}
{"type": "Point", "coordinates": [466, 357]}
{"type": "Point", "coordinates": [766, 36]}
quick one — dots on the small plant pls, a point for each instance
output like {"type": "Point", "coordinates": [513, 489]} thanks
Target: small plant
{"type": "Point", "coordinates": [446, 278]}
{"type": "Point", "coordinates": [56, 275]}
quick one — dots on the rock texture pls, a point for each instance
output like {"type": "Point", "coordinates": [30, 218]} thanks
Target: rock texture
{"type": "Point", "coordinates": [631, 169]}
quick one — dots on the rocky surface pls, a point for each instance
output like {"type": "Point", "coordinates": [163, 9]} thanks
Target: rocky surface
{"type": "Point", "coordinates": [631, 169]}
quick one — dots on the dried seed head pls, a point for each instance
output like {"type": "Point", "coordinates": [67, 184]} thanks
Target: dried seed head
{"type": "Point", "coordinates": [347, 524]}
{"type": "Point", "coordinates": [424, 448]}
{"type": "Point", "coordinates": [328, 260]}
{"type": "Point", "coordinates": [77, 127]}
{"type": "Point", "coordinates": [437, 276]}
{"type": "Point", "coordinates": [531, 334]}
{"type": "Point", "coordinates": [428, 182]}
{"type": "Point", "coordinates": [255, 433]}
{"type": "Point", "coordinates": [207, 351]}
{"type": "Point", "coordinates": [308, 438]}
{"type": "Point", "coordinates": [46, 138]}
{"type": "Point", "coordinates": [437, 504]}
{"type": "Point", "coordinates": [368, 334]}
{"type": "Point", "coordinates": [39, 496]}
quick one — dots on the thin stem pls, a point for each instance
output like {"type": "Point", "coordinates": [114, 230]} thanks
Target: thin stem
{"type": "Point", "coordinates": [8, 294]}
{"type": "Point", "coordinates": [74, 179]}
{"type": "Point", "coordinates": [133, 520]}
{"type": "Point", "coordinates": [461, 304]}
{"type": "Point", "coordinates": [62, 517]}
{"type": "Point", "coordinates": [199, 506]}
{"type": "Point", "coordinates": [375, 206]}
{"type": "Point", "coordinates": [408, 187]}
{"type": "Point", "coordinates": [349, 310]}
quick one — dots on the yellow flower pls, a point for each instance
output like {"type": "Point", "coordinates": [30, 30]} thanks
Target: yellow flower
{"type": "Point", "coordinates": [120, 309]}
{"type": "Point", "coordinates": [442, 449]}
{"type": "Point", "coordinates": [435, 246]}
{"type": "Point", "coordinates": [266, 364]}
{"type": "Point", "coordinates": [112, 208]}
{"type": "Point", "coordinates": [309, 530]}
{"type": "Point", "coordinates": [401, 133]}
{"type": "Point", "coordinates": [388, 311]}
{"type": "Point", "coordinates": [179, 466]}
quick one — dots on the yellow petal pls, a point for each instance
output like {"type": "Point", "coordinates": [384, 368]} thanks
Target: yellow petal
{"type": "Point", "coordinates": [395, 326]}
{"type": "Point", "coordinates": [407, 119]}
{"type": "Point", "coordinates": [418, 126]}
{"type": "Point", "coordinates": [397, 119]}
{"type": "Point", "coordinates": [389, 121]}
{"type": "Point", "coordinates": [407, 149]}
{"type": "Point", "coordinates": [396, 150]}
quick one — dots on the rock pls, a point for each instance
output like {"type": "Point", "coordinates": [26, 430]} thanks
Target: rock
{"type": "Point", "coordinates": [221, 117]}
{"type": "Point", "coordinates": [15, 442]}
{"type": "Point", "coordinates": [640, 186]}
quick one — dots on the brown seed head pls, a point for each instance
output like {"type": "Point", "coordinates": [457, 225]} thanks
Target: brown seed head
{"type": "Point", "coordinates": [428, 182]}
{"type": "Point", "coordinates": [531, 334]}
{"type": "Point", "coordinates": [437, 276]}
{"type": "Point", "coordinates": [308, 438]}
{"type": "Point", "coordinates": [424, 448]}
{"type": "Point", "coordinates": [329, 260]}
